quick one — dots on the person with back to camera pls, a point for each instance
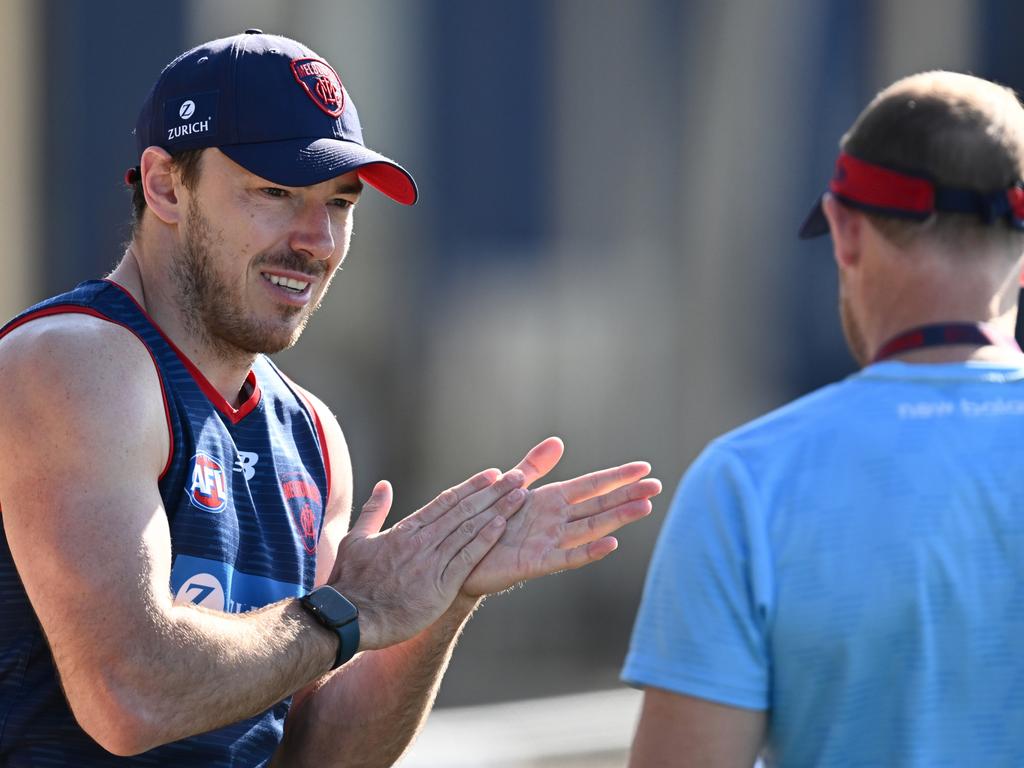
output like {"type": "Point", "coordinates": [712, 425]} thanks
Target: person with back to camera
{"type": "Point", "coordinates": [178, 582]}
{"type": "Point", "coordinates": [839, 583]}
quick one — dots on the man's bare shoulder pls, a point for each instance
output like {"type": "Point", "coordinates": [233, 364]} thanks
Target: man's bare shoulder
{"type": "Point", "coordinates": [72, 337]}
{"type": "Point", "coordinates": [81, 372]}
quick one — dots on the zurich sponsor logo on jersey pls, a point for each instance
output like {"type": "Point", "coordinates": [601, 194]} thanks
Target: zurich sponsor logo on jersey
{"type": "Point", "coordinates": [209, 487]}
{"type": "Point", "coordinates": [203, 589]}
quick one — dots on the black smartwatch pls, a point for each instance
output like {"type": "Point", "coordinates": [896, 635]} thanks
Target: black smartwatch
{"type": "Point", "coordinates": [337, 614]}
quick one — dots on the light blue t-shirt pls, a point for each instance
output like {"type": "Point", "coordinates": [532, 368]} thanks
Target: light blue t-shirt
{"type": "Point", "coordinates": [854, 563]}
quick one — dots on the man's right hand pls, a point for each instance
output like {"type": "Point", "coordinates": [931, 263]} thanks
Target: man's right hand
{"type": "Point", "coordinates": [403, 579]}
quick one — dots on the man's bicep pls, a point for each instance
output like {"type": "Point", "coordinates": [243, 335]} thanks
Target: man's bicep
{"type": "Point", "coordinates": [83, 437]}
{"type": "Point", "coordinates": [681, 731]}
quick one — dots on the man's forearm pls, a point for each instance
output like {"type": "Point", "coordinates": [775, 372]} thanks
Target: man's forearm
{"type": "Point", "coordinates": [368, 712]}
{"type": "Point", "coordinates": [195, 671]}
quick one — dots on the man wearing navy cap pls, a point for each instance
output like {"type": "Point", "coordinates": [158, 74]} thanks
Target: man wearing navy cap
{"type": "Point", "coordinates": [178, 584]}
{"type": "Point", "coordinates": [840, 581]}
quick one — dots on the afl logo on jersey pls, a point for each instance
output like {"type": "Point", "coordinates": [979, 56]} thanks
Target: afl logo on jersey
{"type": "Point", "coordinates": [304, 502]}
{"type": "Point", "coordinates": [209, 488]}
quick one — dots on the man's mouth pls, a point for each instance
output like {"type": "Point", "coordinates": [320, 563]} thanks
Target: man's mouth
{"type": "Point", "coordinates": [291, 284]}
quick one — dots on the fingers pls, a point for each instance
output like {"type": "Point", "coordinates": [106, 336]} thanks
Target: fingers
{"type": "Point", "coordinates": [459, 515]}
{"type": "Point", "coordinates": [375, 510]}
{"type": "Point", "coordinates": [596, 526]}
{"type": "Point", "coordinates": [511, 502]}
{"type": "Point", "coordinates": [540, 460]}
{"type": "Point", "coordinates": [642, 489]}
{"type": "Point", "coordinates": [585, 539]}
{"type": "Point", "coordinates": [483, 533]}
{"type": "Point", "coordinates": [446, 500]}
{"type": "Point", "coordinates": [596, 483]}
{"type": "Point", "coordinates": [577, 557]}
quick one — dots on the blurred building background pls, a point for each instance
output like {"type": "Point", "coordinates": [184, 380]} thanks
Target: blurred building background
{"type": "Point", "coordinates": [605, 247]}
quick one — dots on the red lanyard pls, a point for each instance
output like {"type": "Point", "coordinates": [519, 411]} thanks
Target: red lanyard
{"type": "Point", "coordinates": [944, 334]}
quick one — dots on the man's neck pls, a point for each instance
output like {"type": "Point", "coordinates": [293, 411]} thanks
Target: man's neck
{"type": "Point", "coordinates": [225, 372]}
{"type": "Point", "coordinates": [905, 290]}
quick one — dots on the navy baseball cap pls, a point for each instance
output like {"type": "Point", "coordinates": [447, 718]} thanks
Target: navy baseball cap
{"type": "Point", "coordinates": [273, 106]}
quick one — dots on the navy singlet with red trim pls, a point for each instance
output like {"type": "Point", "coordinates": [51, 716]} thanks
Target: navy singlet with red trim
{"type": "Point", "coordinates": [244, 490]}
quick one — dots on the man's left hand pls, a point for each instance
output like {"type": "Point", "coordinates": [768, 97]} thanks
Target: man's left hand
{"type": "Point", "coordinates": [563, 525]}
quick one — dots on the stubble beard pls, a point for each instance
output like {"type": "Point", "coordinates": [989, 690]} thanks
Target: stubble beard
{"type": "Point", "coordinates": [213, 309]}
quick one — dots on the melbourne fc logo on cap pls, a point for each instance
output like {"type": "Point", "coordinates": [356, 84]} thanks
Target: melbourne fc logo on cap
{"type": "Point", "coordinates": [304, 502]}
{"type": "Point", "coordinates": [321, 83]}
{"type": "Point", "coordinates": [209, 488]}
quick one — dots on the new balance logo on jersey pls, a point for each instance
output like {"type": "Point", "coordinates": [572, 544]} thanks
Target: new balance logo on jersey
{"type": "Point", "coordinates": [245, 463]}
{"type": "Point", "coordinates": [209, 487]}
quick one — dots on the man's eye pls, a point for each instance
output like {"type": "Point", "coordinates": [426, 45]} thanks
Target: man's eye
{"type": "Point", "coordinates": [275, 192]}
{"type": "Point", "coordinates": [342, 203]}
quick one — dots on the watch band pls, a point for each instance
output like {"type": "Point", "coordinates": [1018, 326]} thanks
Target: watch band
{"type": "Point", "coordinates": [348, 642]}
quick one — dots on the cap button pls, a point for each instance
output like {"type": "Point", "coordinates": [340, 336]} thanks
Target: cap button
{"type": "Point", "coordinates": [254, 31]}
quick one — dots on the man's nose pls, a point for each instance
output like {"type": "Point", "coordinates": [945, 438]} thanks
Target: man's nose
{"type": "Point", "coordinates": [312, 233]}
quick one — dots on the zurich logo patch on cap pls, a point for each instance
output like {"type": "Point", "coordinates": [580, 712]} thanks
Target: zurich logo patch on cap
{"type": "Point", "coordinates": [194, 115]}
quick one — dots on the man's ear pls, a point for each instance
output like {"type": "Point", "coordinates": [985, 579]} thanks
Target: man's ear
{"type": "Point", "coordinates": [847, 227]}
{"type": "Point", "coordinates": [158, 178]}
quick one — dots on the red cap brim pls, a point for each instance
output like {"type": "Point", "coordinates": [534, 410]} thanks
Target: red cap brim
{"type": "Point", "coordinates": [391, 180]}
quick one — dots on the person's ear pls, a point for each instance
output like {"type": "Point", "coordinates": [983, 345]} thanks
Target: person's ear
{"type": "Point", "coordinates": [847, 227]}
{"type": "Point", "coordinates": [158, 183]}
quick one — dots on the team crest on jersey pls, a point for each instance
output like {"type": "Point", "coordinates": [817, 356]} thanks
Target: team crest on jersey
{"type": "Point", "coordinates": [208, 489]}
{"type": "Point", "coordinates": [303, 500]}
{"type": "Point", "coordinates": [321, 83]}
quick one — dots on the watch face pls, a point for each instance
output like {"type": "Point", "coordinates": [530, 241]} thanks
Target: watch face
{"type": "Point", "coordinates": [333, 608]}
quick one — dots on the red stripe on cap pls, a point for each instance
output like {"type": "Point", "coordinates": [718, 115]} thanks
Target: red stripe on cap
{"type": "Point", "coordinates": [883, 188]}
{"type": "Point", "coordinates": [1015, 195]}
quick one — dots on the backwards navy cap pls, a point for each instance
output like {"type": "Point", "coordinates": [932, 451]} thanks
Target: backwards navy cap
{"type": "Point", "coordinates": [270, 104]}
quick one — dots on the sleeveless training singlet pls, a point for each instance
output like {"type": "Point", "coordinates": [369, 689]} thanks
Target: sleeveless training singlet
{"type": "Point", "coordinates": [244, 491]}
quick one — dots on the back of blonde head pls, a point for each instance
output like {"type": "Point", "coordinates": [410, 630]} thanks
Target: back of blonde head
{"type": "Point", "coordinates": [962, 131]}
